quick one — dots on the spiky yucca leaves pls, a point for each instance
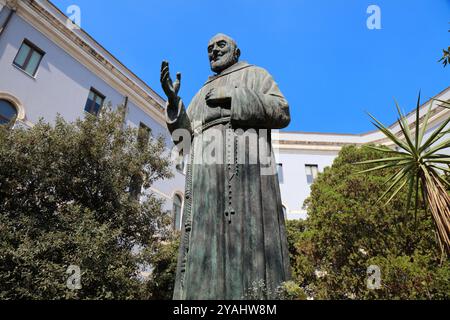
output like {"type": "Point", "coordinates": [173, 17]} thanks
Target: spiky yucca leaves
{"type": "Point", "coordinates": [419, 165]}
{"type": "Point", "coordinates": [446, 57]}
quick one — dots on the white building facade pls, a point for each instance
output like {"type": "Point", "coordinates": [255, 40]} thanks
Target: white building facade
{"type": "Point", "coordinates": [48, 67]}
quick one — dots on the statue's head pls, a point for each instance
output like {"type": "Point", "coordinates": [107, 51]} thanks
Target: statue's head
{"type": "Point", "coordinates": [223, 52]}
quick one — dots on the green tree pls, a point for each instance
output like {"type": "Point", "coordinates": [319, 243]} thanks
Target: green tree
{"type": "Point", "coordinates": [163, 257]}
{"type": "Point", "coordinates": [301, 253]}
{"type": "Point", "coordinates": [65, 200]}
{"type": "Point", "coordinates": [348, 230]}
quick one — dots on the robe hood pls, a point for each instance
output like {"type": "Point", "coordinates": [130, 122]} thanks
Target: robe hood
{"type": "Point", "coordinates": [235, 67]}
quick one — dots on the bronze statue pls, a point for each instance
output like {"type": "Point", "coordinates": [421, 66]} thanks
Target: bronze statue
{"type": "Point", "coordinates": [233, 235]}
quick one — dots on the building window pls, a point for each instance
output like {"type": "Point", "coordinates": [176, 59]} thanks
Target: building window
{"type": "Point", "coordinates": [94, 102]}
{"type": "Point", "coordinates": [29, 57]}
{"type": "Point", "coordinates": [280, 172]}
{"type": "Point", "coordinates": [177, 202]}
{"type": "Point", "coordinates": [8, 113]}
{"type": "Point", "coordinates": [143, 135]}
{"type": "Point", "coordinates": [312, 171]}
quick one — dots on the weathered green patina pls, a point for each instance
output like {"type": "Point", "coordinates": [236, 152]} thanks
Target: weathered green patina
{"type": "Point", "coordinates": [233, 234]}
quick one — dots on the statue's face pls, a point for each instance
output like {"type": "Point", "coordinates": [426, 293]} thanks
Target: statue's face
{"type": "Point", "coordinates": [222, 52]}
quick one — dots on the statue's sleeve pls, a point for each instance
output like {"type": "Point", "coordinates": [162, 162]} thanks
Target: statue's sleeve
{"type": "Point", "coordinates": [260, 106]}
{"type": "Point", "coordinates": [177, 118]}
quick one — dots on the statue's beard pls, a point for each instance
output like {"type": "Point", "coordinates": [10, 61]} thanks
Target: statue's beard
{"type": "Point", "coordinates": [223, 62]}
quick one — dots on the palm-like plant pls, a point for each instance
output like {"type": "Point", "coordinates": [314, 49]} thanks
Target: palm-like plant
{"type": "Point", "coordinates": [446, 57]}
{"type": "Point", "coordinates": [419, 165]}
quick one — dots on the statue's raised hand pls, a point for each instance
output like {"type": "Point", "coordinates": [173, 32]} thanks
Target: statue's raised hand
{"type": "Point", "coordinates": [170, 88]}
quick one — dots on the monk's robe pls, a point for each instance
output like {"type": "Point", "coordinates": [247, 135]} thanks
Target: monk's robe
{"type": "Point", "coordinates": [233, 242]}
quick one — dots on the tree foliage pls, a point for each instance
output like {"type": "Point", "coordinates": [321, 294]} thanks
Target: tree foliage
{"type": "Point", "coordinates": [164, 264]}
{"type": "Point", "coordinates": [65, 200]}
{"type": "Point", "coordinates": [348, 230]}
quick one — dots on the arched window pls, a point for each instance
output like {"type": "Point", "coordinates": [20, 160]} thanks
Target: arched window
{"type": "Point", "coordinates": [177, 203]}
{"type": "Point", "coordinates": [8, 113]}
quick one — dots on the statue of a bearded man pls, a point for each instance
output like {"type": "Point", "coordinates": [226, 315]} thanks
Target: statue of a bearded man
{"type": "Point", "coordinates": [233, 230]}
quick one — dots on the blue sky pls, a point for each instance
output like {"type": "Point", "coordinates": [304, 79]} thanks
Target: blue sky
{"type": "Point", "coordinates": [329, 65]}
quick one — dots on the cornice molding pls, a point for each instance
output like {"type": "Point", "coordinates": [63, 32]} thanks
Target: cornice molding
{"type": "Point", "coordinates": [310, 147]}
{"type": "Point", "coordinates": [12, 4]}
